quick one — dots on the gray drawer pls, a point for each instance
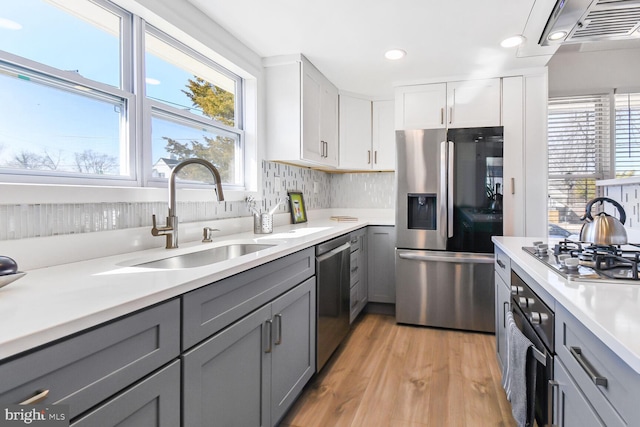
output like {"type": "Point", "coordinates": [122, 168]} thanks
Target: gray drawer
{"type": "Point", "coordinates": [618, 398]}
{"type": "Point", "coordinates": [503, 265]}
{"type": "Point", "coordinates": [92, 366]}
{"type": "Point", "coordinates": [153, 402]}
{"type": "Point", "coordinates": [210, 309]}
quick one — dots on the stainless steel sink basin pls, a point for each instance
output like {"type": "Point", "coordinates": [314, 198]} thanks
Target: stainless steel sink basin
{"type": "Point", "coordinates": [205, 257]}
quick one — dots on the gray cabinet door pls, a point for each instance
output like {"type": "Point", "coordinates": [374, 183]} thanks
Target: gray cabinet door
{"type": "Point", "coordinates": [573, 408]}
{"type": "Point", "coordinates": [294, 348]}
{"type": "Point", "coordinates": [381, 242]}
{"type": "Point", "coordinates": [154, 402]}
{"type": "Point", "coordinates": [503, 304]}
{"type": "Point", "coordinates": [226, 379]}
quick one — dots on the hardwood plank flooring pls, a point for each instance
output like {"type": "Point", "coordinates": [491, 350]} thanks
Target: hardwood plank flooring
{"type": "Point", "coordinates": [386, 374]}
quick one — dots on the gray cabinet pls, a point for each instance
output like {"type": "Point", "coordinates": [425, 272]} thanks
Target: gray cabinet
{"type": "Point", "coordinates": [153, 402]}
{"type": "Point", "coordinates": [251, 372]}
{"type": "Point", "coordinates": [572, 409]}
{"type": "Point", "coordinates": [608, 385]}
{"type": "Point", "coordinates": [381, 241]}
{"type": "Point", "coordinates": [358, 276]}
{"type": "Point", "coordinates": [503, 302]}
{"type": "Point", "coordinates": [92, 366]}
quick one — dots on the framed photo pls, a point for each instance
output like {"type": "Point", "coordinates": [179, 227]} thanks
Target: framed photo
{"type": "Point", "coordinates": [296, 205]}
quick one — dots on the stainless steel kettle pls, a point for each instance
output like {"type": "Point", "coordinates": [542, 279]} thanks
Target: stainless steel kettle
{"type": "Point", "coordinates": [604, 229]}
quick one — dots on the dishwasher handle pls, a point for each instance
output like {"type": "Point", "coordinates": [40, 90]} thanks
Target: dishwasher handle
{"type": "Point", "coordinates": [341, 248]}
{"type": "Point", "coordinates": [466, 258]}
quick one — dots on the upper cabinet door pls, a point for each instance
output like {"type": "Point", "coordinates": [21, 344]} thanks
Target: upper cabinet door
{"type": "Point", "coordinates": [312, 95]}
{"type": "Point", "coordinates": [421, 106]}
{"type": "Point", "coordinates": [384, 136]}
{"type": "Point", "coordinates": [474, 103]}
{"type": "Point", "coordinates": [355, 133]}
{"type": "Point", "coordinates": [329, 148]}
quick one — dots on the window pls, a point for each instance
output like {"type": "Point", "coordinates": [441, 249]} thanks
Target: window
{"type": "Point", "coordinates": [76, 115]}
{"type": "Point", "coordinates": [627, 134]}
{"type": "Point", "coordinates": [578, 136]}
{"type": "Point", "coordinates": [194, 107]}
{"type": "Point", "coordinates": [68, 115]}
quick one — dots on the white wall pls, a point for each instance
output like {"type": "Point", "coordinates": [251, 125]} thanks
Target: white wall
{"type": "Point", "coordinates": [572, 72]}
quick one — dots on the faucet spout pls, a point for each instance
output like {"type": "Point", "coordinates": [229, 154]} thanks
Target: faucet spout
{"type": "Point", "coordinates": [170, 230]}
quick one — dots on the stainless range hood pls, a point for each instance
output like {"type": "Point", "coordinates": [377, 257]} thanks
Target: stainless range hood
{"type": "Point", "coordinates": [580, 21]}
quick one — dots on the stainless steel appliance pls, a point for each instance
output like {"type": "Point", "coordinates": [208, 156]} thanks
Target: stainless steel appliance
{"type": "Point", "coordinates": [537, 322]}
{"type": "Point", "coordinates": [332, 278]}
{"type": "Point", "coordinates": [448, 207]}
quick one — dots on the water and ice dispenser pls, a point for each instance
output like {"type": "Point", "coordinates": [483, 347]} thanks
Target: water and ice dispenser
{"type": "Point", "coordinates": [422, 211]}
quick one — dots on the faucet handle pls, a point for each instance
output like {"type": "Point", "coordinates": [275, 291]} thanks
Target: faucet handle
{"type": "Point", "coordinates": [206, 234]}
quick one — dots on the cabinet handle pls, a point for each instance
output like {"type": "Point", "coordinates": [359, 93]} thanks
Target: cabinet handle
{"type": "Point", "coordinates": [42, 395]}
{"type": "Point", "coordinates": [268, 331]}
{"type": "Point", "coordinates": [576, 352]}
{"type": "Point", "coordinates": [368, 157]}
{"type": "Point", "coordinates": [550, 386]}
{"type": "Point", "coordinates": [354, 303]}
{"type": "Point", "coordinates": [278, 340]}
{"type": "Point", "coordinates": [505, 306]}
{"type": "Point", "coordinates": [501, 264]}
{"type": "Point", "coordinates": [450, 115]}
{"type": "Point", "coordinates": [442, 115]}
{"type": "Point", "coordinates": [513, 185]}
{"type": "Point", "coordinates": [375, 157]}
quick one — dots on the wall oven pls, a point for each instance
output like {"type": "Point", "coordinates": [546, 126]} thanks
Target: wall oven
{"type": "Point", "coordinates": [536, 321]}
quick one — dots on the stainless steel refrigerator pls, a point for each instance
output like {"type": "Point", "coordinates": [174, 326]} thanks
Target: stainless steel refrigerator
{"type": "Point", "coordinates": [449, 204]}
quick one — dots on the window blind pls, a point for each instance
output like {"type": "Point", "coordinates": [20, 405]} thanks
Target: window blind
{"type": "Point", "coordinates": [579, 153]}
{"type": "Point", "coordinates": [627, 134]}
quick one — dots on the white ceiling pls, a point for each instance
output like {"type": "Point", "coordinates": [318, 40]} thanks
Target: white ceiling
{"type": "Point", "coordinates": [346, 39]}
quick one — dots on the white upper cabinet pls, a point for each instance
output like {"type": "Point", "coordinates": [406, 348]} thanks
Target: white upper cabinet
{"type": "Point", "coordinates": [367, 135]}
{"type": "Point", "coordinates": [474, 103]}
{"type": "Point", "coordinates": [355, 133]}
{"type": "Point", "coordinates": [421, 106]}
{"type": "Point", "coordinates": [384, 136]}
{"type": "Point", "coordinates": [301, 113]}
{"type": "Point", "coordinates": [471, 103]}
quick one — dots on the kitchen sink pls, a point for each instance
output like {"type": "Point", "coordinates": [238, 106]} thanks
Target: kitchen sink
{"type": "Point", "coordinates": [205, 257]}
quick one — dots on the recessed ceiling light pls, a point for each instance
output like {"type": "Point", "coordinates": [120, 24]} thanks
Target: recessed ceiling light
{"type": "Point", "coordinates": [8, 24]}
{"type": "Point", "coordinates": [152, 81]}
{"type": "Point", "coordinates": [394, 54]}
{"type": "Point", "coordinates": [557, 35]}
{"type": "Point", "coordinates": [512, 41]}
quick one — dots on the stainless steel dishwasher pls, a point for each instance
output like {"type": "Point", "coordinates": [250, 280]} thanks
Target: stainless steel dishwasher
{"type": "Point", "coordinates": [332, 275]}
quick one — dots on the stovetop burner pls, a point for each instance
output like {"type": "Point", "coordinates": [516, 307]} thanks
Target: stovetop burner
{"type": "Point", "coordinates": [587, 262]}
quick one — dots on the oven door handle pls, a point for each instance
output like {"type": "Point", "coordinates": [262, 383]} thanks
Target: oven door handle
{"type": "Point", "coordinates": [466, 259]}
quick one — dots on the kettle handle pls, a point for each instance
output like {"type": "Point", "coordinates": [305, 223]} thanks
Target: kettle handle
{"type": "Point", "coordinates": [587, 215]}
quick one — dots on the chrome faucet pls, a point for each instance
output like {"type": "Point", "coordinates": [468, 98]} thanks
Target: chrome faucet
{"type": "Point", "coordinates": [170, 229]}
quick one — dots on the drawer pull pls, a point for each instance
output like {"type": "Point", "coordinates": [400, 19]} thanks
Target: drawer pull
{"type": "Point", "coordinates": [576, 352]}
{"type": "Point", "coordinates": [501, 264]}
{"type": "Point", "coordinates": [42, 395]}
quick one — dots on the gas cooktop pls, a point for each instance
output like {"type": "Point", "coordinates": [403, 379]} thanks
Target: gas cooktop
{"type": "Point", "coordinates": [580, 261]}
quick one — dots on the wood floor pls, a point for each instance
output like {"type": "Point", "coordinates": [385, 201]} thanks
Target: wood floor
{"type": "Point", "coordinates": [389, 375]}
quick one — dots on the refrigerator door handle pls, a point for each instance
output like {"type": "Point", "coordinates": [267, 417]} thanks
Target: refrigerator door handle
{"type": "Point", "coordinates": [444, 218]}
{"type": "Point", "coordinates": [450, 195]}
{"type": "Point", "coordinates": [459, 258]}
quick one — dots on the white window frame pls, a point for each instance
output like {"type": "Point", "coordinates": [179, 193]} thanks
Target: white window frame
{"type": "Point", "coordinates": [149, 105]}
{"type": "Point", "coordinates": [77, 188]}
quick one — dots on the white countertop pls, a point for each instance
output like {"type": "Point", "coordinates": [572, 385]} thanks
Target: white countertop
{"type": "Point", "coordinates": [53, 302]}
{"type": "Point", "coordinates": [609, 310]}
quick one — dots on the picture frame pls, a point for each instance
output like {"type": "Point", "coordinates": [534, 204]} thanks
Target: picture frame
{"type": "Point", "coordinates": [297, 207]}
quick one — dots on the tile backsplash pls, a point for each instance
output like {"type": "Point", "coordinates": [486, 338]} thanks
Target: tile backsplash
{"type": "Point", "coordinates": [320, 190]}
{"type": "Point", "coordinates": [629, 197]}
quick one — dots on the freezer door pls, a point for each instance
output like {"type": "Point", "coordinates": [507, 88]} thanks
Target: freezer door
{"type": "Point", "coordinates": [421, 191]}
{"type": "Point", "coordinates": [445, 289]}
